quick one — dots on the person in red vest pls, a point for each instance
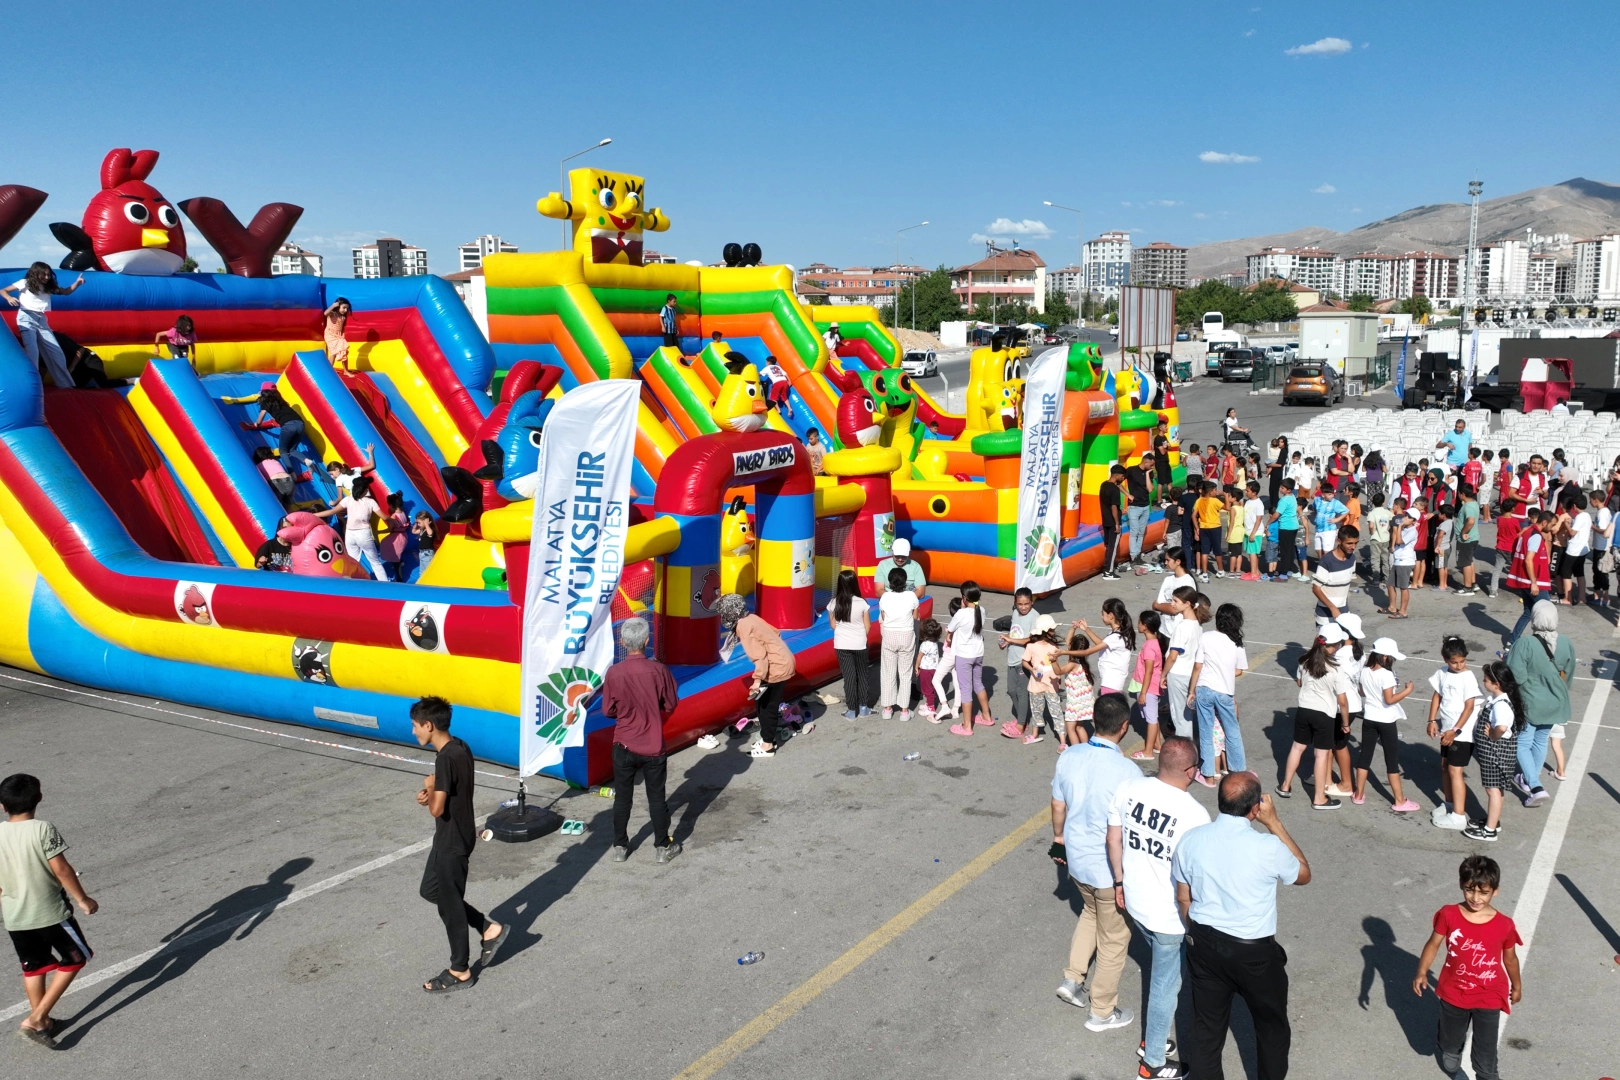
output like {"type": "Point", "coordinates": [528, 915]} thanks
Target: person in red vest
{"type": "Point", "coordinates": [1530, 574]}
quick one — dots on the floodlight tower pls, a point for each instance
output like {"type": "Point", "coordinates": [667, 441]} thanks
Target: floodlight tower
{"type": "Point", "coordinates": [1470, 272]}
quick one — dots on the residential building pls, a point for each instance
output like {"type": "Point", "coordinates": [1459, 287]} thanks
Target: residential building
{"type": "Point", "coordinates": [473, 252]}
{"type": "Point", "coordinates": [389, 257]}
{"type": "Point", "coordinates": [462, 280]}
{"type": "Point", "coordinates": [1016, 275]}
{"type": "Point", "coordinates": [1564, 280]}
{"type": "Point", "coordinates": [1159, 263]}
{"type": "Point", "coordinates": [1106, 264]}
{"type": "Point", "coordinates": [1428, 273]}
{"type": "Point", "coordinates": [1370, 274]}
{"type": "Point", "coordinates": [1541, 277]}
{"type": "Point", "coordinates": [1067, 281]}
{"type": "Point", "coordinates": [1303, 296]}
{"type": "Point", "coordinates": [1312, 267]}
{"type": "Point", "coordinates": [1502, 269]}
{"type": "Point", "coordinates": [657, 258]}
{"type": "Point", "coordinates": [873, 285]}
{"type": "Point", "coordinates": [1597, 269]}
{"type": "Point", "coordinates": [292, 259]}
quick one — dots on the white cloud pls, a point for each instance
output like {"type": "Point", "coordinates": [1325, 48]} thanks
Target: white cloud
{"type": "Point", "coordinates": [1200, 216]}
{"type": "Point", "coordinates": [1248, 33]}
{"type": "Point", "coordinates": [1328, 46]}
{"type": "Point", "coordinates": [1216, 157]}
{"type": "Point", "coordinates": [1006, 228]}
{"type": "Point", "coordinates": [1325, 189]}
{"type": "Point", "coordinates": [1153, 202]}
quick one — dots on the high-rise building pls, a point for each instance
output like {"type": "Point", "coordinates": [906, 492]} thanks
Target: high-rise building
{"type": "Point", "coordinates": [1065, 281]}
{"type": "Point", "coordinates": [1428, 273]}
{"type": "Point", "coordinates": [1314, 268]}
{"type": "Point", "coordinates": [292, 259]}
{"type": "Point", "coordinates": [473, 252]}
{"type": "Point", "coordinates": [1370, 274]}
{"type": "Point", "coordinates": [1159, 263]}
{"type": "Point", "coordinates": [1597, 269]}
{"type": "Point", "coordinates": [1541, 277]}
{"type": "Point", "coordinates": [389, 257]}
{"type": "Point", "coordinates": [1105, 264]}
{"type": "Point", "coordinates": [1502, 269]}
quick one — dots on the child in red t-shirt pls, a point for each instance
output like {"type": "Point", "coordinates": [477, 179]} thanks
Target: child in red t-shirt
{"type": "Point", "coordinates": [1481, 973]}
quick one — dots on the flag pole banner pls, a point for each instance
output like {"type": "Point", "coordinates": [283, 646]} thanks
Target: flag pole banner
{"type": "Point", "coordinates": [1400, 368]}
{"type": "Point", "coordinates": [1040, 463]}
{"type": "Point", "coordinates": [576, 554]}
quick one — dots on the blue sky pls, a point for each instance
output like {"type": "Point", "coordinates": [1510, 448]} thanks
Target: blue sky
{"type": "Point", "coordinates": [813, 130]}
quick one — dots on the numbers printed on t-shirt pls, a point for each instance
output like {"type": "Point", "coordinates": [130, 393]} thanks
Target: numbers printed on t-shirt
{"type": "Point", "coordinates": [1151, 821]}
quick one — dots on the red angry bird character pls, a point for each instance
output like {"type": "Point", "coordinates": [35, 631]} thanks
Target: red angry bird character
{"type": "Point", "coordinates": [708, 590]}
{"type": "Point", "coordinates": [317, 549]}
{"type": "Point", "coordinates": [129, 227]}
{"type": "Point", "coordinates": [194, 607]}
{"type": "Point", "coordinates": [857, 424]}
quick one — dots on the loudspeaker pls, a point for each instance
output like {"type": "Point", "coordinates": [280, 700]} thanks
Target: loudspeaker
{"type": "Point", "coordinates": [1414, 398]}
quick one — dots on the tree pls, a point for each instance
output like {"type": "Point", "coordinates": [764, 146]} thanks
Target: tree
{"type": "Point", "coordinates": [1058, 311]}
{"type": "Point", "coordinates": [189, 266]}
{"type": "Point", "coordinates": [1269, 301]}
{"type": "Point", "coordinates": [1417, 306]}
{"type": "Point", "coordinates": [1209, 296]}
{"type": "Point", "coordinates": [935, 303]}
{"type": "Point", "coordinates": [1361, 301]}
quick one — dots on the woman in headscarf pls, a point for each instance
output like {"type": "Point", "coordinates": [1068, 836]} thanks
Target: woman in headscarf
{"type": "Point", "coordinates": [773, 665]}
{"type": "Point", "coordinates": [1543, 661]}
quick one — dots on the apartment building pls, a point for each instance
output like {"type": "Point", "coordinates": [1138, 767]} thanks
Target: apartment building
{"type": "Point", "coordinates": [873, 285]}
{"type": "Point", "coordinates": [1161, 264]}
{"type": "Point", "coordinates": [1066, 281]}
{"type": "Point", "coordinates": [473, 253]}
{"type": "Point", "coordinates": [1596, 275]}
{"type": "Point", "coordinates": [1502, 269]}
{"type": "Point", "coordinates": [1312, 267]}
{"type": "Point", "coordinates": [1019, 275]}
{"type": "Point", "coordinates": [1370, 274]}
{"type": "Point", "coordinates": [1106, 264]}
{"type": "Point", "coordinates": [389, 257]}
{"type": "Point", "coordinates": [292, 259]}
{"type": "Point", "coordinates": [1428, 273]}
{"type": "Point", "coordinates": [1541, 277]}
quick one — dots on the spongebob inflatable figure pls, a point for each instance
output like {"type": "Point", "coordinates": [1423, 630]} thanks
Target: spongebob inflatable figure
{"type": "Point", "coordinates": [994, 390]}
{"type": "Point", "coordinates": [609, 215]}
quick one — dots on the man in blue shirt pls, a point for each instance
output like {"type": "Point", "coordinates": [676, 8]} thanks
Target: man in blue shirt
{"type": "Point", "coordinates": [1226, 877]}
{"type": "Point", "coordinates": [666, 320]}
{"type": "Point", "coordinates": [1088, 777]}
{"type": "Point", "coordinates": [1458, 439]}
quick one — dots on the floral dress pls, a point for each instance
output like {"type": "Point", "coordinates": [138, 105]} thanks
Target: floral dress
{"type": "Point", "coordinates": [1078, 696]}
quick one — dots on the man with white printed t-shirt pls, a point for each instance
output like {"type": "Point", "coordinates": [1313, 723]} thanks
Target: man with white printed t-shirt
{"type": "Point", "coordinates": [1149, 817]}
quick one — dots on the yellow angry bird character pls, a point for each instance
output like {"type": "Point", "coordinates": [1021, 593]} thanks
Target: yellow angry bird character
{"type": "Point", "coordinates": [609, 215]}
{"type": "Point", "coordinates": [740, 405]}
{"type": "Point", "coordinates": [736, 549]}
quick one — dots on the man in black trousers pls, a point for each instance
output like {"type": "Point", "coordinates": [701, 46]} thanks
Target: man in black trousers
{"type": "Point", "coordinates": [1111, 501]}
{"type": "Point", "coordinates": [448, 796]}
{"type": "Point", "coordinates": [1226, 876]}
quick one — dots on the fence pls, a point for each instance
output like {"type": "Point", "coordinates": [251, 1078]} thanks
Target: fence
{"type": "Point", "coordinates": [1269, 374]}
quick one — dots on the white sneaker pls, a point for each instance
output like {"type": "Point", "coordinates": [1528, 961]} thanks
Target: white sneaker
{"type": "Point", "coordinates": [905, 714]}
{"type": "Point", "coordinates": [1448, 820]}
{"type": "Point", "coordinates": [709, 742]}
{"type": "Point", "coordinates": [888, 714]}
{"type": "Point", "coordinates": [1116, 1019]}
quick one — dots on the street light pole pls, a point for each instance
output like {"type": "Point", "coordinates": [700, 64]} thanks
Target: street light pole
{"type": "Point", "coordinates": [562, 177]}
{"type": "Point", "coordinates": [896, 271]}
{"type": "Point", "coordinates": [1080, 240]}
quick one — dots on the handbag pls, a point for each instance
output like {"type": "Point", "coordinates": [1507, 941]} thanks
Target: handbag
{"type": "Point", "coordinates": [1605, 561]}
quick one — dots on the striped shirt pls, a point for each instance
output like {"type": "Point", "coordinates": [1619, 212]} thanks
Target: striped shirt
{"type": "Point", "coordinates": [1333, 575]}
{"type": "Point", "coordinates": [666, 316]}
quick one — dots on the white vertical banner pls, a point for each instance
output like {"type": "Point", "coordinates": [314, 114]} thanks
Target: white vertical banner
{"type": "Point", "coordinates": [576, 554]}
{"type": "Point", "coordinates": [1040, 463]}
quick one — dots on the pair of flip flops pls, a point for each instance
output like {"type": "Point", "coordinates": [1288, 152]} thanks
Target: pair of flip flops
{"type": "Point", "coordinates": [444, 982]}
{"type": "Point", "coordinates": [572, 827]}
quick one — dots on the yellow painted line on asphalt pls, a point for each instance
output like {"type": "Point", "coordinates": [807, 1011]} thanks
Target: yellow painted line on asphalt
{"type": "Point", "coordinates": [812, 988]}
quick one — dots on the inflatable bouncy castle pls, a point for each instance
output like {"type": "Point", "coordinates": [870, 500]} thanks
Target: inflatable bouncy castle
{"type": "Point", "coordinates": [133, 512]}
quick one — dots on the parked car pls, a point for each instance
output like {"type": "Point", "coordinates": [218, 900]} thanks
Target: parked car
{"type": "Point", "coordinates": [1182, 335]}
{"type": "Point", "coordinates": [920, 363]}
{"type": "Point", "coordinates": [1212, 361]}
{"type": "Point", "coordinates": [1292, 351]}
{"type": "Point", "coordinates": [1278, 354]}
{"type": "Point", "coordinates": [1313, 382]}
{"type": "Point", "coordinates": [1237, 364]}
{"type": "Point", "coordinates": [1051, 339]}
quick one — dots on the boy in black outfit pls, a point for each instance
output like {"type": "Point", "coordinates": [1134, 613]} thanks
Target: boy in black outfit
{"type": "Point", "coordinates": [448, 796]}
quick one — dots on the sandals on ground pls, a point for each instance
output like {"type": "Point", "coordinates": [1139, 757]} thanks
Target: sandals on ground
{"type": "Point", "coordinates": [444, 983]}
{"type": "Point", "coordinates": [493, 945]}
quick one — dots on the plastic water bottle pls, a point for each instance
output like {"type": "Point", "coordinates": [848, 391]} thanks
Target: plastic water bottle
{"type": "Point", "coordinates": [913, 756]}
{"type": "Point", "coordinates": [750, 958]}
{"type": "Point", "coordinates": [605, 792]}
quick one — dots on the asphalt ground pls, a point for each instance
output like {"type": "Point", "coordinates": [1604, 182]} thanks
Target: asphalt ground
{"type": "Point", "coordinates": [911, 923]}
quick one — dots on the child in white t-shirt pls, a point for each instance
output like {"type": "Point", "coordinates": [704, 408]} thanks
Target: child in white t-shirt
{"type": "Point", "coordinates": [1451, 719]}
{"type": "Point", "coordinates": [1381, 711]}
{"type": "Point", "coordinates": [897, 610]}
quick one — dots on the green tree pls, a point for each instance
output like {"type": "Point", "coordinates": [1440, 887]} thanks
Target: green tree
{"type": "Point", "coordinates": [189, 266]}
{"type": "Point", "coordinates": [935, 303]}
{"type": "Point", "coordinates": [1209, 296]}
{"type": "Point", "coordinates": [1058, 311]}
{"type": "Point", "coordinates": [1417, 306]}
{"type": "Point", "coordinates": [1361, 301]}
{"type": "Point", "coordinates": [1269, 301]}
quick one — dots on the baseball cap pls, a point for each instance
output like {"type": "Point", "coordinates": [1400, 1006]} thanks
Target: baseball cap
{"type": "Point", "coordinates": [901, 547]}
{"type": "Point", "coordinates": [1043, 623]}
{"type": "Point", "coordinates": [1333, 634]}
{"type": "Point", "coordinates": [1385, 646]}
{"type": "Point", "coordinates": [1351, 623]}
{"type": "Point", "coordinates": [267, 386]}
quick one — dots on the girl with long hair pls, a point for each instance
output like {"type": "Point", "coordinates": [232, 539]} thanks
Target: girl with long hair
{"type": "Point", "coordinates": [1192, 607]}
{"type": "Point", "coordinates": [1149, 680]}
{"type": "Point", "coordinates": [1213, 691]}
{"type": "Point", "coordinates": [1496, 745]}
{"type": "Point", "coordinates": [851, 619]}
{"type": "Point", "coordinates": [1381, 712]}
{"type": "Point", "coordinates": [33, 303]}
{"type": "Point", "coordinates": [965, 636]}
{"type": "Point", "coordinates": [335, 321]}
{"type": "Point", "coordinates": [1114, 665]}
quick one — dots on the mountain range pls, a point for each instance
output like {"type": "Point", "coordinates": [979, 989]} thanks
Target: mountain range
{"type": "Point", "coordinates": [1580, 207]}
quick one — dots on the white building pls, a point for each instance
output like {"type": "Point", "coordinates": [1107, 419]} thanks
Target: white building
{"type": "Point", "coordinates": [1428, 273]}
{"type": "Point", "coordinates": [389, 257]}
{"type": "Point", "coordinates": [1597, 269]}
{"type": "Point", "coordinates": [1064, 281]}
{"type": "Point", "coordinates": [1370, 274]}
{"type": "Point", "coordinates": [1541, 277]}
{"type": "Point", "coordinates": [1502, 269]}
{"type": "Point", "coordinates": [1105, 264]}
{"type": "Point", "coordinates": [1345, 339]}
{"type": "Point", "coordinates": [473, 252]}
{"type": "Point", "coordinates": [292, 259]}
{"type": "Point", "coordinates": [1311, 267]}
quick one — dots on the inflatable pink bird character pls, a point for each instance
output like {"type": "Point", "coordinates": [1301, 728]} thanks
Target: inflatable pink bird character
{"type": "Point", "coordinates": [317, 549]}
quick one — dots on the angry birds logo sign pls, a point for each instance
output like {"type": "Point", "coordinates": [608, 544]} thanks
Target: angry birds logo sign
{"type": "Point", "coordinates": [129, 227]}
{"type": "Point", "coordinates": [609, 215]}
